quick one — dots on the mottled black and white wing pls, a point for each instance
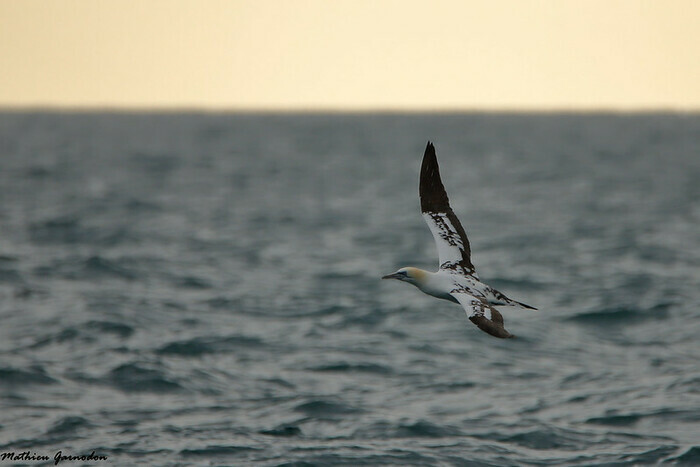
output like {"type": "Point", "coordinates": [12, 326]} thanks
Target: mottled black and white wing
{"type": "Point", "coordinates": [451, 240]}
{"type": "Point", "coordinates": [486, 317]}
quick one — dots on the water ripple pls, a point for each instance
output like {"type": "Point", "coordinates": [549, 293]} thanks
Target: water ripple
{"type": "Point", "coordinates": [132, 377]}
{"type": "Point", "coordinates": [203, 289]}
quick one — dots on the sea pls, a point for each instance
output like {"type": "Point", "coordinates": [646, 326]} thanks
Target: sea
{"type": "Point", "coordinates": [203, 289]}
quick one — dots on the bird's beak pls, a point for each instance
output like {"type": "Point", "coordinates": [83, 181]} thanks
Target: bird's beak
{"type": "Point", "coordinates": [391, 276]}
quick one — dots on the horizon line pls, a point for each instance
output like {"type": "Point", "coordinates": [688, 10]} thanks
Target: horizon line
{"type": "Point", "coordinates": [110, 108]}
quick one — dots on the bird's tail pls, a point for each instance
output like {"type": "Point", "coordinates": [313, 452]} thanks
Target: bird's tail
{"type": "Point", "coordinates": [499, 299]}
{"type": "Point", "coordinates": [523, 305]}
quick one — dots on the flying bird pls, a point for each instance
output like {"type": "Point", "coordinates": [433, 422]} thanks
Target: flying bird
{"type": "Point", "coordinates": [456, 279]}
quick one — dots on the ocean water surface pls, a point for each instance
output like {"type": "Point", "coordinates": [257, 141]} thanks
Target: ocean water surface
{"type": "Point", "coordinates": [204, 289]}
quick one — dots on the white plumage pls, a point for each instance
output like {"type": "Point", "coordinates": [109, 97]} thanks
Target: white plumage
{"type": "Point", "coordinates": [456, 279]}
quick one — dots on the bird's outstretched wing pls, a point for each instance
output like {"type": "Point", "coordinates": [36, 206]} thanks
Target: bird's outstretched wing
{"type": "Point", "coordinates": [486, 317]}
{"type": "Point", "coordinates": [451, 240]}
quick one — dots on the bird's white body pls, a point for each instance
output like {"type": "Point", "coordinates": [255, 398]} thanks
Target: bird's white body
{"type": "Point", "coordinates": [456, 279]}
{"type": "Point", "coordinates": [445, 284]}
{"type": "Point", "coordinates": [438, 284]}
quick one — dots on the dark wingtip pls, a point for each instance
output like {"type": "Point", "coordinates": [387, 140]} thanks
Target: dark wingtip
{"type": "Point", "coordinates": [432, 192]}
{"type": "Point", "coordinates": [493, 327]}
{"type": "Point", "coordinates": [429, 151]}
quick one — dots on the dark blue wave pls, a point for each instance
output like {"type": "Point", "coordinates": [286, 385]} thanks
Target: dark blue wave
{"type": "Point", "coordinates": [10, 376]}
{"type": "Point", "coordinates": [207, 345]}
{"type": "Point", "coordinates": [132, 377]}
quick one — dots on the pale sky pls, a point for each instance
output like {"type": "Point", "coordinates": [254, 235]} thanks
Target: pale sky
{"type": "Point", "coordinates": [354, 54]}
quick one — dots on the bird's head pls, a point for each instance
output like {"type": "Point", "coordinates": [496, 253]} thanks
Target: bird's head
{"type": "Point", "coordinates": [410, 275]}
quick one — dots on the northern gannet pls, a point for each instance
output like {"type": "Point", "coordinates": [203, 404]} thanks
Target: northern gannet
{"type": "Point", "coordinates": [456, 279]}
